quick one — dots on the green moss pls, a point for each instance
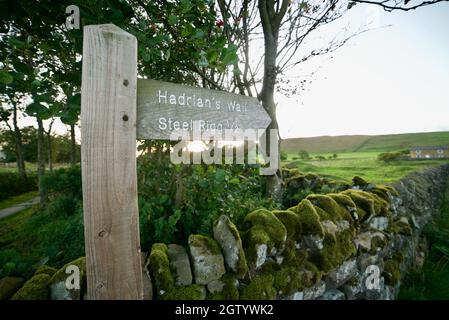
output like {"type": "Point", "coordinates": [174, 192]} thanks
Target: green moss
{"type": "Point", "coordinates": [332, 207]}
{"type": "Point", "coordinates": [191, 292]}
{"type": "Point", "coordinates": [370, 203]}
{"type": "Point", "coordinates": [399, 227]}
{"type": "Point", "coordinates": [9, 286]}
{"type": "Point", "coordinates": [399, 257]}
{"type": "Point", "coordinates": [309, 218]}
{"type": "Point", "coordinates": [270, 224]}
{"type": "Point", "coordinates": [37, 288]}
{"type": "Point", "coordinates": [382, 192]}
{"type": "Point", "coordinates": [335, 251]}
{"type": "Point", "coordinates": [288, 280]}
{"type": "Point", "coordinates": [160, 246]}
{"type": "Point", "coordinates": [198, 240]}
{"type": "Point", "coordinates": [230, 290]}
{"type": "Point", "coordinates": [45, 270]}
{"type": "Point", "coordinates": [392, 273]}
{"type": "Point", "coordinates": [159, 267]}
{"type": "Point", "coordinates": [315, 274]}
{"type": "Point", "coordinates": [263, 227]}
{"type": "Point", "coordinates": [253, 238]}
{"type": "Point", "coordinates": [260, 288]}
{"type": "Point", "coordinates": [343, 200]}
{"type": "Point", "coordinates": [378, 242]}
{"type": "Point", "coordinates": [61, 274]}
{"type": "Point", "coordinates": [366, 204]}
{"type": "Point", "coordinates": [291, 222]}
{"type": "Point", "coordinates": [359, 181]}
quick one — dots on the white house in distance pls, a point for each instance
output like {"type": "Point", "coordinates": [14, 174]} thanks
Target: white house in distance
{"type": "Point", "coordinates": [440, 152]}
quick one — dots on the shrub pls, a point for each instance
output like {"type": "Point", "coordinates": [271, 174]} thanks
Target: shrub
{"type": "Point", "coordinates": [303, 154]}
{"type": "Point", "coordinates": [284, 156]}
{"type": "Point", "coordinates": [11, 184]}
{"type": "Point", "coordinates": [388, 157]}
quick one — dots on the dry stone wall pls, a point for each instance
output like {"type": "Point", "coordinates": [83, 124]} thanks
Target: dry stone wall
{"type": "Point", "coordinates": [355, 244]}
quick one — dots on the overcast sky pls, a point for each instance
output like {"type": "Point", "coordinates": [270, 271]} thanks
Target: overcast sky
{"type": "Point", "coordinates": [390, 80]}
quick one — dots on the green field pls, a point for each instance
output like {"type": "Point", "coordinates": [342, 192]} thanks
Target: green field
{"type": "Point", "coordinates": [363, 143]}
{"type": "Point", "coordinates": [364, 164]}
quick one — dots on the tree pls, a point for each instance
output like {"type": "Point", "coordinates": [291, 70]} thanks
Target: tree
{"type": "Point", "coordinates": [398, 5]}
{"type": "Point", "coordinates": [303, 154]}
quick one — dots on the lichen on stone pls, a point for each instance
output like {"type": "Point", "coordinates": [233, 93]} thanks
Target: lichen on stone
{"type": "Point", "coordinates": [227, 235]}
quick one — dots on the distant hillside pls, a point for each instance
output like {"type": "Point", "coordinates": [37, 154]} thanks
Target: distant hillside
{"type": "Point", "coordinates": [356, 143]}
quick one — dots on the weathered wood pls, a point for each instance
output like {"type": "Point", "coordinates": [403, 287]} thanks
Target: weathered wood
{"type": "Point", "coordinates": [108, 152]}
{"type": "Point", "coordinates": [163, 107]}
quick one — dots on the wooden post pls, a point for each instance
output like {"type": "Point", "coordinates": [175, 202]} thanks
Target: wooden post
{"type": "Point", "coordinates": [108, 155]}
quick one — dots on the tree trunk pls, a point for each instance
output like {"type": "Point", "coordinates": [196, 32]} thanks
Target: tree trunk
{"type": "Point", "coordinates": [41, 160]}
{"type": "Point", "coordinates": [20, 161]}
{"type": "Point", "coordinates": [266, 95]}
{"type": "Point", "coordinates": [72, 145]}
{"type": "Point", "coordinates": [49, 152]}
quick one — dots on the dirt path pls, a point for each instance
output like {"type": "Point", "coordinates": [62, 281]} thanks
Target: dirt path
{"type": "Point", "coordinates": [18, 207]}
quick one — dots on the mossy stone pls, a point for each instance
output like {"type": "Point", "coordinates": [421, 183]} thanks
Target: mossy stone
{"type": "Point", "coordinates": [191, 292]}
{"type": "Point", "coordinates": [58, 287]}
{"type": "Point", "coordinates": [9, 286]}
{"type": "Point", "coordinates": [159, 266]}
{"type": "Point", "coordinates": [392, 273]}
{"type": "Point", "coordinates": [309, 219]}
{"type": "Point", "coordinates": [46, 270]}
{"type": "Point", "coordinates": [230, 290]}
{"type": "Point", "coordinates": [291, 222]}
{"type": "Point", "coordinates": [359, 181]}
{"type": "Point", "coordinates": [260, 288]}
{"type": "Point", "coordinates": [227, 235]}
{"type": "Point", "coordinates": [36, 288]}
{"type": "Point", "coordinates": [270, 224]}
{"type": "Point", "coordinates": [206, 257]}
{"type": "Point", "coordinates": [332, 207]}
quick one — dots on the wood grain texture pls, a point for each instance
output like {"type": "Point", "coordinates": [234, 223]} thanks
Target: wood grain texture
{"type": "Point", "coordinates": [156, 100]}
{"type": "Point", "coordinates": [108, 155]}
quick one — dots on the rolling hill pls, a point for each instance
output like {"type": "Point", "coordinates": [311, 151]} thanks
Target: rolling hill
{"type": "Point", "coordinates": [358, 143]}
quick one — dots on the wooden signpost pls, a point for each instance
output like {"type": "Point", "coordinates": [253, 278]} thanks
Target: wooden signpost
{"type": "Point", "coordinates": [163, 107]}
{"type": "Point", "coordinates": [116, 109]}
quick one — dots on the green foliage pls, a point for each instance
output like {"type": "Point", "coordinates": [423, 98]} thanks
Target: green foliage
{"type": "Point", "coordinates": [388, 157]}
{"type": "Point", "coordinates": [303, 154]}
{"type": "Point", "coordinates": [61, 146]}
{"type": "Point", "coordinates": [11, 184]}
{"type": "Point", "coordinates": [284, 156]}
{"type": "Point", "coordinates": [13, 264]}
{"type": "Point", "coordinates": [184, 200]}
{"type": "Point", "coordinates": [63, 182]}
